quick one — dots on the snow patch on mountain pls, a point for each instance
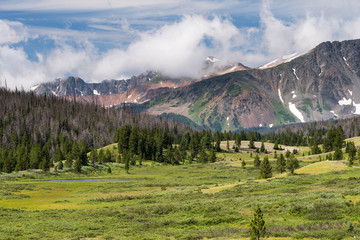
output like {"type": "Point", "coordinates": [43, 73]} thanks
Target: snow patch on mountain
{"type": "Point", "coordinates": [278, 61]}
{"type": "Point", "coordinates": [294, 70]}
{"type": "Point", "coordinates": [334, 113]}
{"type": "Point", "coordinates": [296, 112]}
{"type": "Point", "coordinates": [34, 87]}
{"type": "Point", "coordinates": [281, 99]}
{"type": "Point", "coordinates": [96, 92]}
{"type": "Point", "coordinates": [344, 101]}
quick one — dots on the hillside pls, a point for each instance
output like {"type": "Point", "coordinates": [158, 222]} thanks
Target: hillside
{"type": "Point", "coordinates": [37, 131]}
{"type": "Point", "coordinates": [319, 85]}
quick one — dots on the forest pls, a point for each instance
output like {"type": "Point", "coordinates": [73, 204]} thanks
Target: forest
{"type": "Point", "coordinates": [86, 172]}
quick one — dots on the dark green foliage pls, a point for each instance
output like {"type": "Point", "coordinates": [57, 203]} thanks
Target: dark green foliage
{"type": "Point", "coordinates": [77, 165]}
{"type": "Point", "coordinates": [257, 161]}
{"type": "Point", "coordinates": [281, 163]}
{"type": "Point", "coordinates": [262, 148]}
{"type": "Point", "coordinates": [265, 168]}
{"type": "Point", "coordinates": [251, 144]}
{"type": "Point", "coordinates": [292, 163]}
{"type": "Point", "coordinates": [203, 157]}
{"type": "Point", "coordinates": [243, 164]}
{"type": "Point", "coordinates": [60, 165]}
{"type": "Point", "coordinates": [338, 154]}
{"type": "Point", "coordinates": [287, 154]}
{"type": "Point", "coordinates": [212, 156]}
{"type": "Point", "coordinates": [257, 225]}
{"type": "Point", "coordinates": [36, 131]}
{"type": "Point", "coordinates": [351, 150]}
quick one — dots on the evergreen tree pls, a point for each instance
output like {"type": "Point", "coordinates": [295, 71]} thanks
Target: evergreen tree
{"type": "Point", "coordinates": [243, 163]}
{"type": "Point", "coordinates": [170, 158]}
{"type": "Point", "coordinates": [77, 165]}
{"type": "Point", "coordinates": [212, 156]}
{"type": "Point", "coordinates": [101, 156]}
{"type": "Point", "coordinates": [251, 144]}
{"type": "Point", "coordinates": [93, 156]}
{"type": "Point", "coordinates": [217, 145]}
{"type": "Point", "coordinates": [257, 161]}
{"type": "Point", "coordinates": [203, 157]}
{"type": "Point", "coordinates": [292, 163]}
{"type": "Point", "coordinates": [58, 155]}
{"type": "Point", "coordinates": [338, 154]}
{"type": "Point", "coordinates": [126, 160]}
{"type": "Point", "coordinates": [257, 225]}
{"type": "Point", "coordinates": [315, 147]}
{"type": "Point", "coordinates": [265, 168]}
{"type": "Point", "coordinates": [227, 145]}
{"type": "Point", "coordinates": [60, 165]}
{"type": "Point", "coordinates": [281, 163]}
{"type": "Point", "coordinates": [238, 140]}
{"type": "Point", "coordinates": [262, 148]}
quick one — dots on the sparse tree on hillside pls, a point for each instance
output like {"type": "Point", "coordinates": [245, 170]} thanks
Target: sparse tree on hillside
{"type": "Point", "coordinates": [292, 163]}
{"type": "Point", "coordinates": [251, 144]}
{"type": "Point", "coordinates": [281, 163]}
{"type": "Point", "coordinates": [262, 148]}
{"type": "Point", "coordinates": [257, 161]}
{"type": "Point", "coordinates": [265, 168]}
{"type": "Point", "coordinates": [257, 225]}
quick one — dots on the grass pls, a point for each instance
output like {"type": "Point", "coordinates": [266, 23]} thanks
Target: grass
{"type": "Point", "coordinates": [191, 201]}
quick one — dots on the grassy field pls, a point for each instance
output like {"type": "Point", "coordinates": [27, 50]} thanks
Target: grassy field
{"type": "Point", "coordinates": [191, 201]}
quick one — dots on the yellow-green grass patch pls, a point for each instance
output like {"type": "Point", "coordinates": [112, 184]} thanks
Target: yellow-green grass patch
{"type": "Point", "coordinates": [322, 167]}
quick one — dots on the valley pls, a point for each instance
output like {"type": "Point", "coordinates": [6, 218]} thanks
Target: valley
{"type": "Point", "coordinates": [187, 201]}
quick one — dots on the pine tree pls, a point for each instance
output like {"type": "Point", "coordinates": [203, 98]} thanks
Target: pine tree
{"type": "Point", "coordinates": [77, 165]}
{"type": "Point", "coordinates": [243, 163]}
{"type": "Point", "coordinates": [338, 154]}
{"type": "Point", "coordinates": [93, 156]}
{"type": "Point", "coordinates": [257, 161]}
{"type": "Point", "coordinates": [203, 157]}
{"type": "Point", "coordinates": [262, 148]}
{"type": "Point", "coordinates": [251, 144]}
{"type": "Point", "coordinates": [257, 225]}
{"type": "Point", "coordinates": [292, 163]}
{"type": "Point", "coordinates": [265, 168]}
{"type": "Point", "coordinates": [60, 165]}
{"type": "Point", "coordinates": [212, 156]}
{"type": "Point", "coordinates": [281, 163]}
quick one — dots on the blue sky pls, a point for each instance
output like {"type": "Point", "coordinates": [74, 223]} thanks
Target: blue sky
{"type": "Point", "coordinates": [114, 39]}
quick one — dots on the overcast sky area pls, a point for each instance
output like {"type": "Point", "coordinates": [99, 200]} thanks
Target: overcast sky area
{"type": "Point", "coordinates": [113, 39]}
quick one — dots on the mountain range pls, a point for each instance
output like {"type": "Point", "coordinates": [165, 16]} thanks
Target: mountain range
{"type": "Point", "coordinates": [321, 84]}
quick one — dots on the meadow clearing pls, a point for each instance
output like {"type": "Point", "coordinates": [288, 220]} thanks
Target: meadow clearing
{"type": "Point", "coordinates": [190, 201]}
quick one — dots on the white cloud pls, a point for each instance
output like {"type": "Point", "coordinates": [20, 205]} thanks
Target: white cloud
{"type": "Point", "coordinates": [12, 32]}
{"type": "Point", "coordinates": [76, 5]}
{"type": "Point", "coordinates": [17, 70]}
{"type": "Point", "coordinates": [281, 38]}
{"type": "Point", "coordinates": [175, 48]}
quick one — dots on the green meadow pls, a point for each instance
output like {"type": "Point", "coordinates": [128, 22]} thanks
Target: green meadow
{"type": "Point", "coordinates": [190, 201]}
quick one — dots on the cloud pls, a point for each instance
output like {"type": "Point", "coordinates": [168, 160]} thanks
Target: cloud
{"type": "Point", "coordinates": [17, 70]}
{"type": "Point", "coordinates": [281, 38]}
{"type": "Point", "coordinates": [12, 32]}
{"type": "Point", "coordinates": [82, 5]}
{"type": "Point", "coordinates": [177, 47]}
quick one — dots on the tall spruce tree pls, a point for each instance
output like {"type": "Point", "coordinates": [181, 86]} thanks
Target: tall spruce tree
{"type": "Point", "coordinates": [257, 225]}
{"type": "Point", "coordinates": [265, 168]}
{"type": "Point", "coordinates": [281, 163]}
{"type": "Point", "coordinates": [257, 161]}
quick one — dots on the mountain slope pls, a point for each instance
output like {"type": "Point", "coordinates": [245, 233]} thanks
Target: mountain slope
{"type": "Point", "coordinates": [322, 84]}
